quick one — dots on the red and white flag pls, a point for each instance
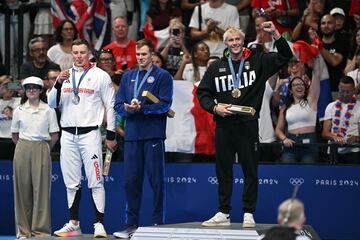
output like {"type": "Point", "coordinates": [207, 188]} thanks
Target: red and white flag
{"type": "Point", "coordinates": [89, 17]}
{"type": "Point", "coordinates": [192, 130]}
{"type": "Point", "coordinates": [158, 37]}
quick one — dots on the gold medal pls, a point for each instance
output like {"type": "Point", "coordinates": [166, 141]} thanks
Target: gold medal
{"type": "Point", "coordinates": [236, 93]}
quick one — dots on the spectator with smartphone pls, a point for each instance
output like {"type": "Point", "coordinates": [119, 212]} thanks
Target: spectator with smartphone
{"type": "Point", "coordinates": [175, 48]}
{"type": "Point", "coordinates": [8, 102]}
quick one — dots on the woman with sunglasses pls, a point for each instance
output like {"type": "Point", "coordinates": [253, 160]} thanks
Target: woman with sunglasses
{"type": "Point", "coordinates": [34, 131]}
{"type": "Point", "coordinates": [297, 118]}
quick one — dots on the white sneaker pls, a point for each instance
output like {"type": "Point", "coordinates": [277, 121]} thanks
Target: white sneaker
{"type": "Point", "coordinates": [69, 230]}
{"type": "Point", "coordinates": [99, 230]}
{"type": "Point", "coordinates": [249, 221]}
{"type": "Point", "coordinates": [220, 219]}
{"type": "Point", "coordinates": [127, 232]}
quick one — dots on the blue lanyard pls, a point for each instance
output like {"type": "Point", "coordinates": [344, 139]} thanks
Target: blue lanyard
{"type": "Point", "coordinates": [76, 88]}
{"type": "Point", "coordinates": [136, 87]}
{"type": "Point", "coordinates": [236, 80]}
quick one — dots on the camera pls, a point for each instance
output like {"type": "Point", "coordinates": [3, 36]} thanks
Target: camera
{"type": "Point", "coordinates": [175, 32]}
{"type": "Point", "coordinates": [13, 86]}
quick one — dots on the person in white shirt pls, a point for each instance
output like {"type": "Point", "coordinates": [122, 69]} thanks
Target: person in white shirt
{"type": "Point", "coordinates": [34, 131]}
{"type": "Point", "coordinates": [83, 94]}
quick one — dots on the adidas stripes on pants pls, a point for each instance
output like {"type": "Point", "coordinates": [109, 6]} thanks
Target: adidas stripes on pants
{"type": "Point", "coordinates": [77, 150]}
{"type": "Point", "coordinates": [240, 139]}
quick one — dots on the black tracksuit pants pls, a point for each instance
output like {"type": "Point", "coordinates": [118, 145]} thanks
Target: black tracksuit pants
{"type": "Point", "coordinates": [241, 139]}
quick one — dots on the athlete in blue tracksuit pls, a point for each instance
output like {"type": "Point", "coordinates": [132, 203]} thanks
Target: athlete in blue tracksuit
{"type": "Point", "coordinates": [144, 133]}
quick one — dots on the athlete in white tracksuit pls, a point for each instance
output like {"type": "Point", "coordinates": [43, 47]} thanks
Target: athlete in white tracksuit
{"type": "Point", "coordinates": [80, 121]}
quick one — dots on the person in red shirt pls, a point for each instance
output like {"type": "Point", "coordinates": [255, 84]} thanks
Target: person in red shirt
{"type": "Point", "coordinates": [122, 47]}
{"type": "Point", "coordinates": [274, 9]}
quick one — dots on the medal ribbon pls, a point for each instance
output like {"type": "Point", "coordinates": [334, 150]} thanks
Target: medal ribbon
{"type": "Point", "coordinates": [136, 87]}
{"type": "Point", "coordinates": [76, 88]}
{"type": "Point", "coordinates": [236, 79]}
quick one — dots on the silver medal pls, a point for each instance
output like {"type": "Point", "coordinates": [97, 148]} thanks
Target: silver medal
{"type": "Point", "coordinates": [76, 100]}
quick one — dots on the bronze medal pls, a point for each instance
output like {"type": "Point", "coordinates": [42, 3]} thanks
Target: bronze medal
{"type": "Point", "coordinates": [236, 93]}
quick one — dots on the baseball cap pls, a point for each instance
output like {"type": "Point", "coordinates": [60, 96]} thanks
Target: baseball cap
{"type": "Point", "coordinates": [337, 11]}
{"type": "Point", "coordinates": [33, 80]}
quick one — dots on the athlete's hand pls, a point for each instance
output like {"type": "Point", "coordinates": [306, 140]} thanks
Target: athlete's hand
{"type": "Point", "coordinates": [223, 110]}
{"type": "Point", "coordinates": [63, 76]}
{"type": "Point", "coordinates": [111, 144]}
{"type": "Point", "coordinates": [269, 27]}
{"type": "Point", "coordinates": [133, 107]}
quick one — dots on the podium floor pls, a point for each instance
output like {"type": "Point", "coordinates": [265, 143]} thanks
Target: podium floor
{"type": "Point", "coordinates": [192, 230]}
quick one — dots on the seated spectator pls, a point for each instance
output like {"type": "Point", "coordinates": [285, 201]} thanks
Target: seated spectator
{"type": "Point", "coordinates": [175, 48]}
{"type": "Point", "coordinates": [192, 68]}
{"type": "Point", "coordinates": [8, 103]}
{"type": "Point", "coordinates": [106, 61]}
{"type": "Point", "coordinates": [355, 74]}
{"type": "Point", "coordinates": [352, 62]}
{"type": "Point", "coordinates": [216, 17]}
{"type": "Point", "coordinates": [39, 65]}
{"type": "Point", "coordinates": [50, 79]}
{"type": "Point", "coordinates": [122, 47]}
{"type": "Point", "coordinates": [157, 60]}
{"type": "Point", "coordinates": [297, 118]}
{"type": "Point", "coordinates": [341, 122]}
{"type": "Point", "coordinates": [60, 53]}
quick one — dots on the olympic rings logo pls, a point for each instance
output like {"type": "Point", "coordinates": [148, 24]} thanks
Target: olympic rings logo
{"type": "Point", "coordinates": [296, 181]}
{"type": "Point", "coordinates": [212, 180]}
{"type": "Point", "coordinates": [54, 177]}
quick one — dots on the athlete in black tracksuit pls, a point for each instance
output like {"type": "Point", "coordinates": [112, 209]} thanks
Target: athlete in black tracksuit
{"type": "Point", "coordinates": [239, 133]}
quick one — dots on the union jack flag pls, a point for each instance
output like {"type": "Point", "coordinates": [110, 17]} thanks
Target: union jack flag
{"type": "Point", "coordinates": [89, 17]}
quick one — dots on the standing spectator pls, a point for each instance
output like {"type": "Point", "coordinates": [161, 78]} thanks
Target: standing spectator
{"type": "Point", "coordinates": [298, 118]}
{"type": "Point", "coordinates": [144, 150]}
{"type": "Point", "coordinates": [175, 48]}
{"type": "Point", "coordinates": [334, 51]}
{"type": "Point", "coordinates": [339, 15]}
{"type": "Point", "coordinates": [160, 13]}
{"type": "Point", "coordinates": [34, 131]}
{"type": "Point", "coordinates": [341, 122]}
{"type": "Point", "coordinates": [309, 20]}
{"type": "Point", "coordinates": [128, 9]}
{"type": "Point", "coordinates": [85, 93]}
{"type": "Point", "coordinates": [238, 133]}
{"type": "Point", "coordinates": [122, 48]}
{"type": "Point", "coordinates": [8, 102]}
{"type": "Point", "coordinates": [275, 10]}
{"type": "Point", "coordinates": [39, 65]}
{"type": "Point", "coordinates": [216, 17]}
{"type": "Point", "coordinates": [13, 7]}
{"type": "Point", "coordinates": [60, 53]}
{"type": "Point", "coordinates": [243, 7]}
{"type": "Point", "coordinates": [43, 22]}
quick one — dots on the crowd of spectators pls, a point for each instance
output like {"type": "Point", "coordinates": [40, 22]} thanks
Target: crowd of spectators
{"type": "Point", "coordinates": [314, 101]}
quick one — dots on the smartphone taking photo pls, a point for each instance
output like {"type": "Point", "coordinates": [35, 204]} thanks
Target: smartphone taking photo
{"type": "Point", "coordinates": [13, 86]}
